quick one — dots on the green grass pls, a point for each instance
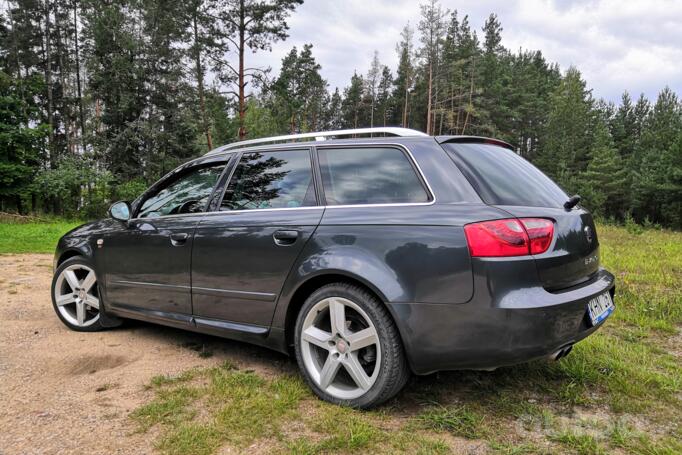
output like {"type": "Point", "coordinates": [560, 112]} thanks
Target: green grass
{"type": "Point", "coordinates": [619, 390]}
{"type": "Point", "coordinates": [458, 420]}
{"type": "Point", "coordinates": [626, 378]}
{"type": "Point", "coordinates": [39, 237]}
{"type": "Point", "coordinates": [582, 444]}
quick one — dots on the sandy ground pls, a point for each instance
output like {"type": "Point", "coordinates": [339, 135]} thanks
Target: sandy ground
{"type": "Point", "coordinates": [64, 392]}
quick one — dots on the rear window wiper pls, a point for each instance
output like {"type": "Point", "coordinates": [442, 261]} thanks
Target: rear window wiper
{"type": "Point", "coordinates": [572, 202]}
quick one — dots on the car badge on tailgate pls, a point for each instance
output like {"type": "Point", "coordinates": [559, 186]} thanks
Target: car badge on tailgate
{"type": "Point", "coordinates": [588, 234]}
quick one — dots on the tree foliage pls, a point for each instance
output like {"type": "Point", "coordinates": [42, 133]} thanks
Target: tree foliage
{"type": "Point", "coordinates": [100, 98]}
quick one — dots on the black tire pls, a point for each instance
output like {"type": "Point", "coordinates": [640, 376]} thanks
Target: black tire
{"type": "Point", "coordinates": [103, 321]}
{"type": "Point", "coordinates": [394, 371]}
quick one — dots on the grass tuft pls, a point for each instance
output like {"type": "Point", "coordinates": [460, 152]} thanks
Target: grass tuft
{"type": "Point", "coordinates": [458, 420]}
{"type": "Point", "coordinates": [582, 444]}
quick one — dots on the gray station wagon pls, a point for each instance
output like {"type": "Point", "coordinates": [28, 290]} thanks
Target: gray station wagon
{"type": "Point", "coordinates": [370, 257]}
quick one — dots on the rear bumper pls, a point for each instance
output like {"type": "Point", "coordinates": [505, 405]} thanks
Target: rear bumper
{"type": "Point", "coordinates": [499, 326]}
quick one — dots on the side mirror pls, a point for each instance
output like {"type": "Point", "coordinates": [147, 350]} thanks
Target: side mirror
{"type": "Point", "coordinates": [120, 211]}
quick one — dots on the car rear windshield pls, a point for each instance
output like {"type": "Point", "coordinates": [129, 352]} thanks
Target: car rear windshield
{"type": "Point", "coordinates": [501, 177]}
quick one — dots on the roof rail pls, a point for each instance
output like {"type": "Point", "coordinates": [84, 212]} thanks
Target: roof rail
{"type": "Point", "coordinates": [320, 136]}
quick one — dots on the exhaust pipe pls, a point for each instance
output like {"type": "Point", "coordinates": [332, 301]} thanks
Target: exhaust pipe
{"type": "Point", "coordinates": [561, 353]}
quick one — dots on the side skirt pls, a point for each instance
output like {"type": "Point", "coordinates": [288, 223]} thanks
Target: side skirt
{"type": "Point", "coordinates": [249, 333]}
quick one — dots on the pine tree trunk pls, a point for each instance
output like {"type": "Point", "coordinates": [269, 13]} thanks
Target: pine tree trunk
{"type": "Point", "coordinates": [48, 82]}
{"type": "Point", "coordinates": [20, 206]}
{"type": "Point", "coordinates": [200, 84]}
{"type": "Point", "coordinates": [78, 74]}
{"type": "Point", "coordinates": [62, 82]}
{"type": "Point", "coordinates": [428, 102]}
{"type": "Point", "coordinates": [407, 95]}
{"type": "Point", "coordinates": [471, 95]}
{"type": "Point", "coordinates": [14, 43]}
{"type": "Point", "coordinates": [242, 103]}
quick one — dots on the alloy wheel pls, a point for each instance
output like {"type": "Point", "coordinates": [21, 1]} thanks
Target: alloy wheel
{"type": "Point", "coordinates": [77, 295]}
{"type": "Point", "coordinates": [340, 348]}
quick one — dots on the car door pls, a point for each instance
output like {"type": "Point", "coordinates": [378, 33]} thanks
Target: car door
{"type": "Point", "coordinates": [243, 252]}
{"type": "Point", "coordinates": [148, 258]}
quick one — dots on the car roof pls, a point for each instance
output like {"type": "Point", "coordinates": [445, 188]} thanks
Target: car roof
{"type": "Point", "coordinates": [385, 134]}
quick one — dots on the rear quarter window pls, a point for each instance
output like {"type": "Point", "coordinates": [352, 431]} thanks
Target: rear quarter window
{"type": "Point", "coordinates": [369, 175]}
{"type": "Point", "coordinates": [501, 177]}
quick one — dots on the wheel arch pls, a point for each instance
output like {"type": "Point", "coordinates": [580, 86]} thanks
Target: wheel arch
{"type": "Point", "coordinates": [68, 254]}
{"type": "Point", "coordinates": [312, 283]}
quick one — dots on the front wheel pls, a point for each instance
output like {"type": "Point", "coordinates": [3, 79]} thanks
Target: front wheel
{"type": "Point", "coordinates": [348, 347]}
{"type": "Point", "coordinates": [75, 295]}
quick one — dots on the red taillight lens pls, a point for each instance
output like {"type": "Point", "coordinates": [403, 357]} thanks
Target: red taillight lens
{"type": "Point", "coordinates": [496, 238]}
{"type": "Point", "coordinates": [509, 237]}
{"type": "Point", "coordinates": [540, 232]}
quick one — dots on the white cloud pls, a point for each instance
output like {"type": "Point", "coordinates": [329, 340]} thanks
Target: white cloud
{"type": "Point", "coordinates": [617, 44]}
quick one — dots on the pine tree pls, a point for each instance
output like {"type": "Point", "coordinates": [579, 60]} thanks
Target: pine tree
{"type": "Point", "coordinates": [532, 82]}
{"type": "Point", "coordinates": [299, 89]}
{"type": "Point", "coordinates": [495, 81]}
{"type": "Point", "coordinates": [405, 77]}
{"type": "Point", "coordinates": [461, 55]}
{"type": "Point", "coordinates": [21, 137]}
{"type": "Point", "coordinates": [603, 184]}
{"type": "Point", "coordinates": [352, 102]}
{"type": "Point", "coordinates": [252, 25]}
{"type": "Point", "coordinates": [656, 182]}
{"type": "Point", "coordinates": [568, 138]}
{"type": "Point", "coordinates": [385, 102]}
{"type": "Point", "coordinates": [623, 127]}
{"type": "Point", "coordinates": [333, 115]}
{"type": "Point", "coordinates": [372, 85]}
{"type": "Point", "coordinates": [432, 29]}
{"type": "Point", "coordinates": [208, 42]}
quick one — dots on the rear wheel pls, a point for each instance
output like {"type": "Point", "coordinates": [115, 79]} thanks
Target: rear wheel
{"type": "Point", "coordinates": [75, 295]}
{"type": "Point", "coordinates": [348, 347]}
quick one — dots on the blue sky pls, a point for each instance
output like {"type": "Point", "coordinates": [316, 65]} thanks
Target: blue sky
{"type": "Point", "coordinates": [633, 45]}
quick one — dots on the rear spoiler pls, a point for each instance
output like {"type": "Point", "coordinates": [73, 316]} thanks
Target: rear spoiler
{"type": "Point", "coordinates": [472, 140]}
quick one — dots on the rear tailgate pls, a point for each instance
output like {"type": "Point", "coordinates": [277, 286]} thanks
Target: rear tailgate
{"type": "Point", "coordinates": [573, 256]}
{"type": "Point", "coordinates": [505, 180]}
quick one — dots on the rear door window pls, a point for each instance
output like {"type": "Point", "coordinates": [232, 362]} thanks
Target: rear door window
{"type": "Point", "coordinates": [369, 175]}
{"type": "Point", "coordinates": [501, 177]}
{"type": "Point", "coordinates": [271, 180]}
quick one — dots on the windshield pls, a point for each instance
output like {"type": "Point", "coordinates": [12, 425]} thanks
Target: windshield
{"type": "Point", "coordinates": [501, 177]}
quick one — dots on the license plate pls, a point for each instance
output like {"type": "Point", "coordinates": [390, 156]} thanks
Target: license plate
{"type": "Point", "coordinates": [600, 307]}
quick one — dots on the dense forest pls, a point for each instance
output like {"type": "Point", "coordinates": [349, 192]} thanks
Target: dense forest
{"type": "Point", "coordinates": [99, 98]}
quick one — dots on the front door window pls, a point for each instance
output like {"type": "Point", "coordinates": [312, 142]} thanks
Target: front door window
{"type": "Point", "coordinates": [187, 194]}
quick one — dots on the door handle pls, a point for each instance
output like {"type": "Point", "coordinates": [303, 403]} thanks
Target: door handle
{"type": "Point", "coordinates": [179, 239]}
{"type": "Point", "coordinates": [285, 238]}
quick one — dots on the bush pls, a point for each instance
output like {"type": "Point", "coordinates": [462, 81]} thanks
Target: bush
{"type": "Point", "coordinates": [631, 225]}
{"type": "Point", "coordinates": [129, 191]}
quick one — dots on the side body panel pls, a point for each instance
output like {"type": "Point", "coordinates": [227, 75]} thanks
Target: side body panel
{"type": "Point", "coordinates": [238, 268]}
{"type": "Point", "coordinates": [405, 254]}
{"type": "Point", "coordinates": [145, 269]}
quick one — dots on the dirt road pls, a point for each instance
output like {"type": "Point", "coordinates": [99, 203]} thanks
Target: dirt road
{"type": "Point", "coordinates": [64, 392]}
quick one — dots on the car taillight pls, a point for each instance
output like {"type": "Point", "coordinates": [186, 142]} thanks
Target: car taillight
{"type": "Point", "coordinates": [540, 232]}
{"type": "Point", "coordinates": [509, 237]}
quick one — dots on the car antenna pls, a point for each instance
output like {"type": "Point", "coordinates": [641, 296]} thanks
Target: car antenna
{"type": "Point", "coordinates": [572, 202]}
